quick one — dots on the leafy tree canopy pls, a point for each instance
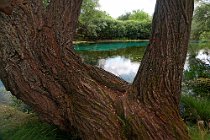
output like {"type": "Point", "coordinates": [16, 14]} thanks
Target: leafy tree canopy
{"type": "Point", "coordinates": [201, 20]}
{"type": "Point", "coordinates": [90, 11]}
{"type": "Point", "coordinates": [137, 15]}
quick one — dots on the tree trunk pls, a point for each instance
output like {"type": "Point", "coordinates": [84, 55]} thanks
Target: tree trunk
{"type": "Point", "coordinates": [39, 66]}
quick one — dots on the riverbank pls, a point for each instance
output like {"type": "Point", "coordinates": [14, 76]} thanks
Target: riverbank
{"type": "Point", "coordinates": [107, 41]}
{"type": "Point", "coordinates": [17, 125]}
{"type": "Point", "coordinates": [127, 40]}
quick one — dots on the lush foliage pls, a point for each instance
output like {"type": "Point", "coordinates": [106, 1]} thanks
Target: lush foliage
{"type": "Point", "coordinates": [195, 101]}
{"type": "Point", "coordinates": [197, 75]}
{"type": "Point", "coordinates": [201, 87]}
{"type": "Point", "coordinates": [201, 21]}
{"type": "Point", "coordinates": [115, 29]}
{"type": "Point", "coordinates": [98, 25]}
{"type": "Point", "coordinates": [89, 12]}
{"type": "Point", "coordinates": [137, 15]}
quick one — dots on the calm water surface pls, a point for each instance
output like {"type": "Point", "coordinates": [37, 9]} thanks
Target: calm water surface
{"type": "Point", "coordinates": [123, 59]}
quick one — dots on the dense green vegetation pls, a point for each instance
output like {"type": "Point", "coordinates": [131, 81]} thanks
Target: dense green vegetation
{"type": "Point", "coordinates": [137, 15]}
{"type": "Point", "coordinates": [95, 24]}
{"type": "Point", "coordinates": [201, 21]}
{"type": "Point", "coordinates": [109, 29]}
{"type": "Point", "coordinates": [98, 25]}
{"type": "Point", "coordinates": [195, 101]}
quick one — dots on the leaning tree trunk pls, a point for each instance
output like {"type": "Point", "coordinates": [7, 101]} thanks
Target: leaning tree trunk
{"type": "Point", "coordinates": [39, 66]}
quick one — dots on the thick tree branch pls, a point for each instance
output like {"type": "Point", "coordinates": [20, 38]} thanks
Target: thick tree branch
{"type": "Point", "coordinates": [160, 73]}
{"type": "Point", "coordinates": [61, 20]}
{"type": "Point", "coordinates": [53, 80]}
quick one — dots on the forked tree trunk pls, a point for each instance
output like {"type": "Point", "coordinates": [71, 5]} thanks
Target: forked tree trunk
{"type": "Point", "coordinates": [38, 66]}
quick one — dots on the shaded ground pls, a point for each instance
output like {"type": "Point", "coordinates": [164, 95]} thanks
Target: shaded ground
{"type": "Point", "coordinates": [17, 125]}
{"type": "Point", "coordinates": [10, 119]}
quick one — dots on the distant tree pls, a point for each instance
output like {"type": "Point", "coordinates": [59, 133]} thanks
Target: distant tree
{"type": "Point", "coordinates": [140, 15]}
{"type": "Point", "coordinates": [89, 13]}
{"type": "Point", "coordinates": [201, 21]}
{"type": "Point", "coordinates": [125, 16]}
{"type": "Point", "coordinates": [137, 15]}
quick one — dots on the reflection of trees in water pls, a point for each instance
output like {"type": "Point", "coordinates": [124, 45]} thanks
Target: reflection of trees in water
{"type": "Point", "coordinates": [197, 75]}
{"type": "Point", "coordinates": [198, 62]}
{"type": "Point", "coordinates": [122, 62]}
{"type": "Point", "coordinates": [135, 54]}
{"type": "Point", "coordinates": [196, 65]}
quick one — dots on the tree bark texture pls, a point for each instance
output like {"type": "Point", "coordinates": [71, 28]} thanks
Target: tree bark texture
{"type": "Point", "coordinates": [39, 66]}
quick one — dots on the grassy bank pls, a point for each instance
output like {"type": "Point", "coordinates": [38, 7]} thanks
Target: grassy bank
{"type": "Point", "coordinates": [106, 41]}
{"type": "Point", "coordinates": [202, 43]}
{"type": "Point", "coordinates": [197, 134]}
{"type": "Point", "coordinates": [11, 118]}
{"type": "Point", "coordinates": [17, 125]}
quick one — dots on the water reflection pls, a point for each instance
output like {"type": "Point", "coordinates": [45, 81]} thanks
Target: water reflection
{"type": "Point", "coordinates": [204, 56]}
{"type": "Point", "coordinates": [123, 60]}
{"type": "Point", "coordinates": [120, 66]}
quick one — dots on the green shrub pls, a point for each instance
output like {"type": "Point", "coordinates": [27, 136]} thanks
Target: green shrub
{"type": "Point", "coordinates": [137, 30]}
{"type": "Point", "coordinates": [205, 35]}
{"type": "Point", "coordinates": [200, 87]}
{"type": "Point", "coordinates": [109, 29]}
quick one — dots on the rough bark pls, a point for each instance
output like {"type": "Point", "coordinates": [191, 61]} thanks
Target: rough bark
{"type": "Point", "coordinates": [38, 66]}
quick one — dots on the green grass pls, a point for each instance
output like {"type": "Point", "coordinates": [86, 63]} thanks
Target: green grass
{"type": "Point", "coordinates": [16, 125]}
{"type": "Point", "coordinates": [33, 130]}
{"type": "Point", "coordinates": [11, 118]}
{"type": "Point", "coordinates": [196, 134]}
{"type": "Point", "coordinates": [197, 108]}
